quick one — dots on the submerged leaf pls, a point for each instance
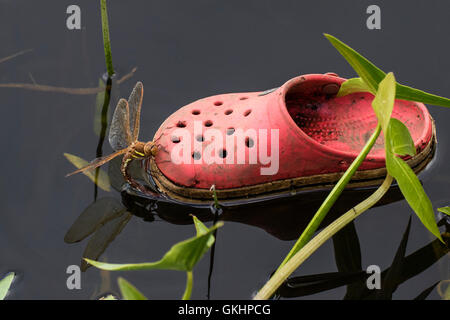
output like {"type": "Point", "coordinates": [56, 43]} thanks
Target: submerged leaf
{"type": "Point", "coordinates": [128, 291]}
{"type": "Point", "coordinates": [372, 75]}
{"type": "Point", "coordinates": [183, 256]}
{"type": "Point", "coordinates": [102, 180]}
{"type": "Point", "coordinates": [425, 293]}
{"type": "Point", "coordinates": [5, 284]}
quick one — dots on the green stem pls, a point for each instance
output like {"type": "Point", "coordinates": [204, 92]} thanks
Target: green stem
{"type": "Point", "coordinates": [189, 284]}
{"type": "Point", "coordinates": [332, 197]}
{"type": "Point", "coordinates": [106, 41]}
{"type": "Point", "coordinates": [286, 270]}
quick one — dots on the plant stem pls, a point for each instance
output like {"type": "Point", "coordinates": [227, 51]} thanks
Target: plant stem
{"type": "Point", "coordinates": [286, 270]}
{"type": "Point", "coordinates": [189, 284]}
{"type": "Point", "coordinates": [332, 197]}
{"type": "Point", "coordinates": [106, 41]}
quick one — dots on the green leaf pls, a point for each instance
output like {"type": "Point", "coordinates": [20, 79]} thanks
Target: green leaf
{"type": "Point", "coordinates": [102, 180]}
{"type": "Point", "coordinates": [183, 256]}
{"type": "Point", "coordinates": [383, 103]}
{"type": "Point", "coordinates": [202, 229]}
{"type": "Point", "coordinates": [400, 139]}
{"type": "Point", "coordinates": [445, 210]}
{"type": "Point", "coordinates": [351, 86]}
{"type": "Point", "coordinates": [5, 284]}
{"type": "Point", "coordinates": [128, 291]}
{"type": "Point", "coordinates": [413, 192]}
{"type": "Point", "coordinates": [372, 76]}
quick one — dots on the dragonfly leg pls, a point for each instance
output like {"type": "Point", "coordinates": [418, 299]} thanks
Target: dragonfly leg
{"type": "Point", "coordinates": [124, 169]}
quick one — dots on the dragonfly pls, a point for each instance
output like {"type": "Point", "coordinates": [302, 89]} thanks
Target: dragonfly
{"type": "Point", "coordinates": [123, 137]}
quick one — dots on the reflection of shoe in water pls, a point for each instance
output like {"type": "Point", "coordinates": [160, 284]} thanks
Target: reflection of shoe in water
{"type": "Point", "coordinates": [301, 135]}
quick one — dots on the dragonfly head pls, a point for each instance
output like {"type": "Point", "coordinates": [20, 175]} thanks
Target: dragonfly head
{"type": "Point", "coordinates": [150, 149]}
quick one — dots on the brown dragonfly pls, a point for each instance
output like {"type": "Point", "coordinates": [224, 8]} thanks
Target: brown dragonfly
{"type": "Point", "coordinates": [123, 135]}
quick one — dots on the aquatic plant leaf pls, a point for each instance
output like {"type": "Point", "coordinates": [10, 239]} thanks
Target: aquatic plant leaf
{"type": "Point", "coordinates": [409, 184]}
{"type": "Point", "coordinates": [351, 86]}
{"type": "Point", "coordinates": [444, 292]}
{"type": "Point", "coordinates": [5, 284]}
{"type": "Point", "coordinates": [202, 229]}
{"type": "Point", "coordinates": [400, 139]}
{"type": "Point", "coordinates": [103, 236]}
{"type": "Point", "coordinates": [93, 217]}
{"type": "Point", "coordinates": [183, 256]}
{"type": "Point", "coordinates": [102, 180]}
{"type": "Point", "coordinates": [425, 293]}
{"type": "Point", "coordinates": [391, 280]}
{"type": "Point", "coordinates": [347, 254]}
{"type": "Point", "coordinates": [128, 291]}
{"type": "Point", "coordinates": [383, 103]}
{"type": "Point", "coordinates": [445, 210]}
{"type": "Point", "coordinates": [372, 76]}
{"type": "Point", "coordinates": [135, 170]}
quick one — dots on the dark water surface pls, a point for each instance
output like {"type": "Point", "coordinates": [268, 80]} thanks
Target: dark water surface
{"type": "Point", "coordinates": [186, 50]}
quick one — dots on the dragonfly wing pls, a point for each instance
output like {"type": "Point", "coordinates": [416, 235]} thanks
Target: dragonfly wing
{"type": "Point", "coordinates": [135, 104]}
{"type": "Point", "coordinates": [98, 162]}
{"type": "Point", "coordinates": [119, 131]}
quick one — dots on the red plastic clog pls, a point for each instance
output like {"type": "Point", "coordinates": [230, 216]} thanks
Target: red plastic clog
{"type": "Point", "coordinates": [298, 136]}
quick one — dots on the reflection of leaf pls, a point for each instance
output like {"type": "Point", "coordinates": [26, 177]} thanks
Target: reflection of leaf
{"type": "Point", "coordinates": [347, 253]}
{"type": "Point", "coordinates": [128, 291]}
{"type": "Point", "coordinates": [182, 256]}
{"type": "Point", "coordinates": [102, 179]}
{"type": "Point", "coordinates": [94, 216]}
{"type": "Point", "coordinates": [5, 284]}
{"type": "Point", "coordinates": [99, 101]}
{"type": "Point", "coordinates": [311, 284]}
{"type": "Point", "coordinates": [445, 210]}
{"type": "Point", "coordinates": [425, 293]}
{"type": "Point", "coordinates": [372, 76]}
{"type": "Point", "coordinates": [391, 279]}
{"type": "Point", "coordinates": [103, 237]}
{"type": "Point", "coordinates": [444, 292]}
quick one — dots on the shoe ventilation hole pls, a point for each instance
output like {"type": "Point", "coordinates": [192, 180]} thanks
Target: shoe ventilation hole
{"type": "Point", "coordinates": [208, 123]}
{"type": "Point", "coordinates": [196, 155]}
{"type": "Point", "coordinates": [195, 112]}
{"type": "Point", "coordinates": [230, 131]}
{"type": "Point", "coordinates": [246, 113]}
{"type": "Point", "coordinates": [228, 112]}
{"type": "Point", "coordinates": [181, 124]}
{"type": "Point", "coordinates": [218, 103]}
{"type": "Point", "coordinates": [243, 98]}
{"type": "Point", "coordinates": [249, 143]}
{"type": "Point", "coordinates": [222, 153]}
{"type": "Point", "coordinates": [200, 138]}
{"type": "Point", "coordinates": [176, 139]}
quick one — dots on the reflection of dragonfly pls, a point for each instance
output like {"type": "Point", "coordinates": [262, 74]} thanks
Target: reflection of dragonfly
{"type": "Point", "coordinates": [123, 135]}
